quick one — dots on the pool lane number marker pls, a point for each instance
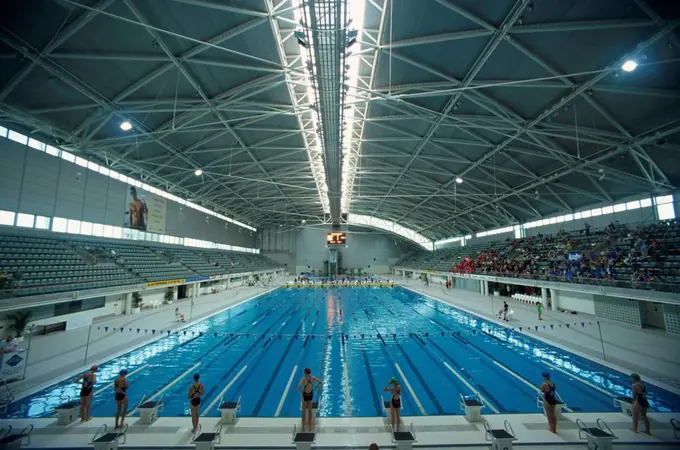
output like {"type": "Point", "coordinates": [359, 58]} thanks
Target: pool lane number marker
{"type": "Point", "coordinates": [221, 394]}
{"type": "Point", "coordinates": [111, 384]}
{"type": "Point", "coordinates": [523, 380]}
{"type": "Point", "coordinates": [285, 392]}
{"type": "Point", "coordinates": [469, 386]}
{"type": "Point", "coordinates": [571, 375]}
{"type": "Point", "coordinates": [410, 389]}
{"type": "Point", "coordinates": [169, 385]}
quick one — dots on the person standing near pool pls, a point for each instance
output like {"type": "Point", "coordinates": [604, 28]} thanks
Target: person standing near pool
{"type": "Point", "coordinates": [307, 388]}
{"type": "Point", "coordinates": [195, 393]}
{"type": "Point", "coordinates": [539, 310]}
{"type": "Point", "coordinates": [549, 401]}
{"type": "Point", "coordinates": [395, 402]}
{"type": "Point", "coordinates": [640, 404]}
{"type": "Point", "coordinates": [87, 381]}
{"type": "Point", "coordinates": [121, 386]}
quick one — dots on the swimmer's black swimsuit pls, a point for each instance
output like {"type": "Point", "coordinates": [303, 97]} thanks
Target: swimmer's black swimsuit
{"type": "Point", "coordinates": [307, 396]}
{"type": "Point", "coordinates": [641, 397]}
{"type": "Point", "coordinates": [120, 396]}
{"type": "Point", "coordinates": [196, 401]}
{"type": "Point", "coordinates": [396, 400]}
{"type": "Point", "coordinates": [549, 395]}
{"type": "Point", "coordinates": [88, 386]}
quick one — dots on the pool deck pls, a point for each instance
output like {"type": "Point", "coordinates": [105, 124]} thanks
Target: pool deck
{"type": "Point", "coordinates": [431, 432]}
{"type": "Point", "coordinates": [654, 354]}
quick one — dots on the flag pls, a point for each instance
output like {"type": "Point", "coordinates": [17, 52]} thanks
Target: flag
{"type": "Point", "coordinates": [137, 330]}
{"type": "Point", "coordinates": [567, 325]}
{"type": "Point", "coordinates": [153, 331]}
{"type": "Point", "coordinates": [168, 332]}
{"type": "Point", "coordinates": [106, 329]}
{"type": "Point", "coordinates": [583, 324]}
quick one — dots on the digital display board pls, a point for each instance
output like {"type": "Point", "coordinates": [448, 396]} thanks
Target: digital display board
{"type": "Point", "coordinates": [336, 238]}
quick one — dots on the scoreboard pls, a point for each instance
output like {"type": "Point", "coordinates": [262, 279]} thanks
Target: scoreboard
{"type": "Point", "coordinates": [336, 238]}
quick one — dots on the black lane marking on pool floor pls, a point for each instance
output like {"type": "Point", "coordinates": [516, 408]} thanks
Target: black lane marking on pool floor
{"type": "Point", "coordinates": [420, 377]}
{"type": "Point", "coordinates": [371, 381]}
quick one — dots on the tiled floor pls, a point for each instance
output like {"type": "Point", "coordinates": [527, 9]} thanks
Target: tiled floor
{"type": "Point", "coordinates": [434, 431]}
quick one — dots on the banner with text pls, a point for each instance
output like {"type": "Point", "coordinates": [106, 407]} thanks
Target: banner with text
{"type": "Point", "coordinates": [164, 283]}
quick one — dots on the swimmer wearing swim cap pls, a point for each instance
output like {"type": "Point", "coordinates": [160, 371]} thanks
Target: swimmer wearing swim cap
{"type": "Point", "coordinates": [395, 402]}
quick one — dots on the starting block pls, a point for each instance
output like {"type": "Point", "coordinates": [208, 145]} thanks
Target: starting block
{"type": "Point", "coordinates": [109, 441]}
{"type": "Point", "coordinates": [207, 441]}
{"type": "Point", "coordinates": [472, 408]}
{"type": "Point", "coordinates": [625, 404]}
{"type": "Point", "coordinates": [13, 441]}
{"type": "Point", "coordinates": [597, 438]}
{"type": "Point", "coordinates": [676, 428]}
{"type": "Point", "coordinates": [149, 409]}
{"type": "Point", "coordinates": [67, 412]}
{"type": "Point", "coordinates": [303, 440]}
{"type": "Point", "coordinates": [559, 406]}
{"type": "Point", "coordinates": [229, 410]}
{"type": "Point", "coordinates": [501, 438]}
{"type": "Point", "coordinates": [404, 440]}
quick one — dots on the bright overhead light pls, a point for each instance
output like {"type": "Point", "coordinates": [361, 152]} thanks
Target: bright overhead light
{"type": "Point", "coordinates": [459, 180]}
{"type": "Point", "coordinates": [198, 172]}
{"type": "Point", "coordinates": [304, 221]}
{"type": "Point", "coordinates": [629, 66]}
{"type": "Point", "coordinates": [125, 126]}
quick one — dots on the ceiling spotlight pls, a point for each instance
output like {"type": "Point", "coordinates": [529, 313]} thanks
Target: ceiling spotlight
{"type": "Point", "coordinates": [304, 221]}
{"type": "Point", "coordinates": [125, 126]}
{"type": "Point", "coordinates": [459, 180]}
{"type": "Point", "coordinates": [629, 66]}
{"type": "Point", "coordinates": [198, 172]}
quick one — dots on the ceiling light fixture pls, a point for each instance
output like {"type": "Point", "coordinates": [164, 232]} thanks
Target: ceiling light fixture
{"type": "Point", "coordinates": [125, 126]}
{"type": "Point", "coordinates": [459, 180]}
{"type": "Point", "coordinates": [198, 172]}
{"type": "Point", "coordinates": [629, 66]}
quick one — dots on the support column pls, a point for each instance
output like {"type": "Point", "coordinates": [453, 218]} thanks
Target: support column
{"type": "Point", "coordinates": [554, 299]}
{"type": "Point", "coordinates": [544, 296]}
{"type": "Point", "coordinates": [127, 299]}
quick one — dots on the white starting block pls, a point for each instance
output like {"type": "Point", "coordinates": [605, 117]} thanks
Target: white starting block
{"type": "Point", "coordinates": [404, 440]}
{"type": "Point", "coordinates": [303, 440]}
{"type": "Point", "coordinates": [13, 441]}
{"type": "Point", "coordinates": [676, 428]}
{"type": "Point", "coordinates": [597, 438]}
{"type": "Point", "coordinates": [501, 438]}
{"type": "Point", "coordinates": [67, 412]}
{"type": "Point", "coordinates": [626, 405]}
{"type": "Point", "coordinates": [109, 441]}
{"type": "Point", "coordinates": [207, 441]}
{"type": "Point", "coordinates": [149, 409]}
{"type": "Point", "coordinates": [229, 410]}
{"type": "Point", "coordinates": [472, 408]}
{"type": "Point", "coordinates": [560, 406]}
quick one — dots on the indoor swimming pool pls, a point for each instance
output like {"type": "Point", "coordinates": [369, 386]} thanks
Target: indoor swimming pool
{"type": "Point", "coordinates": [355, 340]}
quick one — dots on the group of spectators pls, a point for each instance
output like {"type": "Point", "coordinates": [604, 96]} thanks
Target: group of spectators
{"type": "Point", "coordinates": [616, 252]}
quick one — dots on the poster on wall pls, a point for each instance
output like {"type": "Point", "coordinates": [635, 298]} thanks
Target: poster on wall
{"type": "Point", "coordinates": [13, 365]}
{"type": "Point", "coordinates": [145, 211]}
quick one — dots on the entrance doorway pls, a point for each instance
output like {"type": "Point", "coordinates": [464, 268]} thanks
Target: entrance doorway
{"type": "Point", "coordinates": [182, 292]}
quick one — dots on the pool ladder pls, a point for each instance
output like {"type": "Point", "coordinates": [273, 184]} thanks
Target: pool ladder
{"type": "Point", "coordinates": [7, 397]}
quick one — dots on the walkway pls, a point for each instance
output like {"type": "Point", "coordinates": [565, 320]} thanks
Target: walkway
{"type": "Point", "coordinates": [652, 353]}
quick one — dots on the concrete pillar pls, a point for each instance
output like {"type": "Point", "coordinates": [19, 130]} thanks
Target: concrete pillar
{"type": "Point", "coordinates": [554, 299]}
{"type": "Point", "coordinates": [544, 296]}
{"type": "Point", "coordinates": [127, 299]}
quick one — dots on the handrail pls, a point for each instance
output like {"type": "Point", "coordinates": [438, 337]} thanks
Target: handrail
{"type": "Point", "coordinates": [197, 433]}
{"type": "Point", "coordinates": [509, 429]}
{"type": "Point", "coordinates": [602, 425]}
{"type": "Point", "coordinates": [141, 402]}
{"type": "Point", "coordinates": [122, 432]}
{"type": "Point", "coordinates": [582, 428]}
{"type": "Point", "coordinates": [487, 431]}
{"type": "Point", "coordinates": [9, 430]}
{"type": "Point", "coordinates": [101, 431]}
{"type": "Point", "coordinates": [676, 427]}
{"type": "Point", "coordinates": [26, 433]}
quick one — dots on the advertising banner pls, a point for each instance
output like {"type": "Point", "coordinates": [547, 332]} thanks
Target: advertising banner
{"type": "Point", "coordinates": [145, 211]}
{"type": "Point", "coordinates": [192, 279]}
{"type": "Point", "coordinates": [219, 277]}
{"type": "Point", "coordinates": [13, 365]}
{"type": "Point", "coordinates": [164, 283]}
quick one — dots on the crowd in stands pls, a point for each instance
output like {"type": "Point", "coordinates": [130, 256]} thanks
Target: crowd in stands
{"type": "Point", "coordinates": [648, 253]}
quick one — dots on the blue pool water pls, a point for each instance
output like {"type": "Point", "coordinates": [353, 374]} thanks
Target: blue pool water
{"type": "Point", "coordinates": [355, 339]}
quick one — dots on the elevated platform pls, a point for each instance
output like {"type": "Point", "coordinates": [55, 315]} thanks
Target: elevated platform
{"type": "Point", "coordinates": [329, 285]}
{"type": "Point", "coordinates": [434, 431]}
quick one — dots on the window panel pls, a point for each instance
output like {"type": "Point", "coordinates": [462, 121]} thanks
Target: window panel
{"type": "Point", "coordinates": [664, 199]}
{"type": "Point", "coordinates": [17, 137]}
{"type": "Point", "coordinates": [645, 202]}
{"type": "Point", "coordinates": [73, 226]}
{"type": "Point", "coordinates": [42, 223]}
{"type": "Point", "coordinates": [59, 224]}
{"type": "Point", "coordinates": [70, 157]}
{"type": "Point", "coordinates": [98, 230]}
{"type": "Point", "coordinates": [108, 231]}
{"type": "Point", "coordinates": [620, 207]}
{"type": "Point", "coordinates": [81, 161]}
{"type": "Point", "coordinates": [36, 144]}
{"type": "Point", "coordinates": [113, 174]}
{"type": "Point", "coordinates": [104, 171]}
{"type": "Point", "coordinates": [633, 205]}
{"type": "Point", "coordinates": [53, 151]}
{"type": "Point", "coordinates": [86, 228]}
{"type": "Point", "coordinates": [93, 166]}
{"type": "Point", "coordinates": [3, 132]}
{"type": "Point", "coordinates": [577, 215]}
{"type": "Point", "coordinates": [607, 210]}
{"type": "Point", "coordinates": [6, 218]}
{"type": "Point", "coordinates": [552, 220]}
{"type": "Point", "coordinates": [25, 220]}
{"type": "Point", "coordinates": [666, 211]}
{"type": "Point", "coordinates": [586, 214]}
{"type": "Point", "coordinates": [118, 232]}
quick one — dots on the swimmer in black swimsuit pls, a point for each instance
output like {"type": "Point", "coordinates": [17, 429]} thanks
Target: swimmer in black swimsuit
{"type": "Point", "coordinates": [121, 386]}
{"type": "Point", "coordinates": [307, 388]}
{"type": "Point", "coordinates": [195, 392]}
{"type": "Point", "coordinates": [549, 401]}
{"type": "Point", "coordinates": [395, 402]}
{"type": "Point", "coordinates": [640, 404]}
{"type": "Point", "coordinates": [86, 391]}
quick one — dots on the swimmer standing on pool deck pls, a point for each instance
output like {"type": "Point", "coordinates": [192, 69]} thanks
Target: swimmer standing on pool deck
{"type": "Point", "coordinates": [307, 388]}
{"type": "Point", "coordinates": [195, 392]}
{"type": "Point", "coordinates": [640, 404]}
{"type": "Point", "coordinates": [395, 402]}
{"type": "Point", "coordinates": [121, 386]}
{"type": "Point", "coordinates": [549, 401]}
{"type": "Point", "coordinates": [88, 381]}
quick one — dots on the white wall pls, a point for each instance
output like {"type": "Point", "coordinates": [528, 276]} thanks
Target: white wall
{"type": "Point", "coordinates": [575, 301]}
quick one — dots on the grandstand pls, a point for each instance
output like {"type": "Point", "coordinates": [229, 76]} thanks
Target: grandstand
{"type": "Point", "coordinates": [174, 175]}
